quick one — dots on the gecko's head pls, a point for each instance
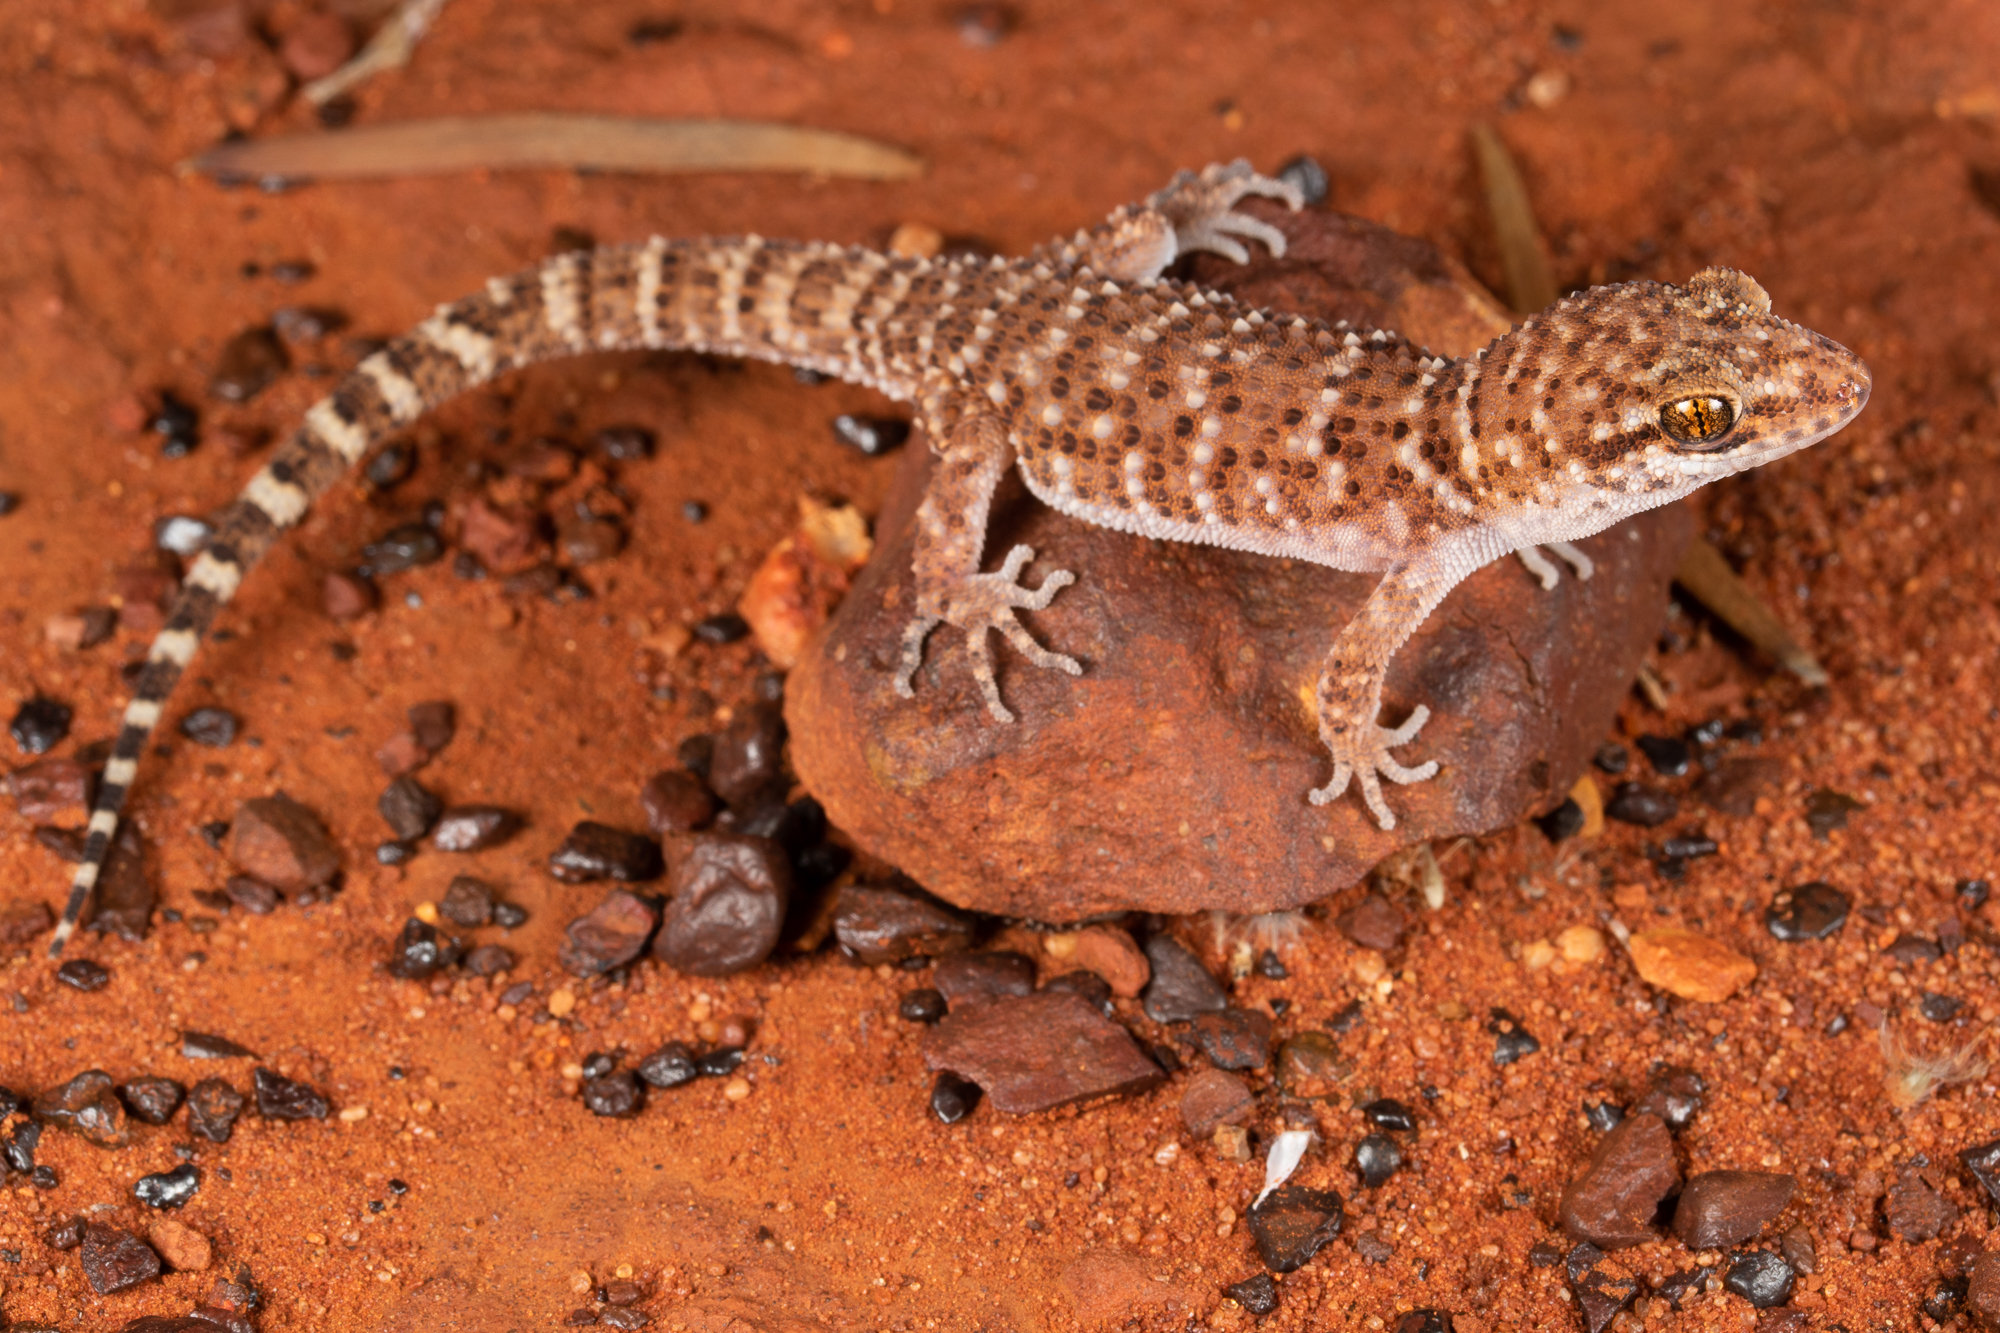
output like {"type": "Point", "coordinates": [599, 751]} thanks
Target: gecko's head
{"type": "Point", "coordinates": [1653, 390]}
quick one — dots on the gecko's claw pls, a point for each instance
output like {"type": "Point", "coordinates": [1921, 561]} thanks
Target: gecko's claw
{"type": "Point", "coordinates": [1365, 756]}
{"type": "Point", "coordinates": [1200, 209]}
{"type": "Point", "coordinates": [990, 602]}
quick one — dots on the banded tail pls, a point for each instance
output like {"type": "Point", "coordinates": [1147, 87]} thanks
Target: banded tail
{"type": "Point", "coordinates": [850, 313]}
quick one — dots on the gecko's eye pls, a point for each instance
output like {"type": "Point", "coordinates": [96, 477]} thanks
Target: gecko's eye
{"type": "Point", "coordinates": [1698, 421]}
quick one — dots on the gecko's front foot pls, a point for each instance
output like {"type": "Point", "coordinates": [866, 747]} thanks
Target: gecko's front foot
{"type": "Point", "coordinates": [1200, 209]}
{"type": "Point", "coordinates": [1362, 751]}
{"type": "Point", "coordinates": [985, 602]}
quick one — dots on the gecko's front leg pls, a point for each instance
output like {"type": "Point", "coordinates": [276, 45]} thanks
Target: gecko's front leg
{"type": "Point", "coordinates": [950, 537]}
{"type": "Point", "coordinates": [1349, 696]}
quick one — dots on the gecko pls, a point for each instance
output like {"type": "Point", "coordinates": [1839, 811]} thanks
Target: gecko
{"type": "Point", "coordinates": [1128, 399]}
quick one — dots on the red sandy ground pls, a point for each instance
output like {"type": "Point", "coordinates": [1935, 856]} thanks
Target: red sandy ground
{"type": "Point", "coordinates": [1833, 151]}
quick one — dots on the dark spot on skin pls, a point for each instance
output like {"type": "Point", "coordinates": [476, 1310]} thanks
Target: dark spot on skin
{"type": "Point", "coordinates": [1183, 426]}
{"type": "Point", "coordinates": [1293, 416]}
{"type": "Point", "coordinates": [1059, 387]}
{"type": "Point", "coordinates": [1097, 400]}
{"type": "Point", "coordinates": [1353, 489]}
{"type": "Point", "coordinates": [745, 304]}
{"type": "Point", "coordinates": [1401, 429]}
{"type": "Point", "coordinates": [1156, 390]}
{"type": "Point", "coordinates": [1231, 405]}
{"type": "Point", "coordinates": [1221, 379]}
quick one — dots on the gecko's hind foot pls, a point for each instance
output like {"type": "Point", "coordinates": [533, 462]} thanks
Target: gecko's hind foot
{"type": "Point", "coordinates": [985, 602]}
{"type": "Point", "coordinates": [1545, 570]}
{"type": "Point", "coordinates": [1363, 753]}
{"type": "Point", "coordinates": [1200, 209]}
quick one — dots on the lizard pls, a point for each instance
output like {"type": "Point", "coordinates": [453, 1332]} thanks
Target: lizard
{"type": "Point", "coordinates": [1127, 399]}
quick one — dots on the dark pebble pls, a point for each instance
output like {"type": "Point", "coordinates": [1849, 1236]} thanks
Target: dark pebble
{"type": "Point", "coordinates": [729, 899]}
{"type": "Point", "coordinates": [1376, 1158]}
{"type": "Point", "coordinates": [208, 1046]}
{"type": "Point", "coordinates": [1827, 810]}
{"type": "Point", "coordinates": [1669, 755]}
{"type": "Point", "coordinates": [518, 994]}
{"type": "Point", "coordinates": [1614, 1199]}
{"type": "Point", "coordinates": [1909, 949]}
{"type": "Point", "coordinates": [1542, 1254]}
{"type": "Point", "coordinates": [1939, 1008]}
{"type": "Point", "coordinates": [213, 727]}
{"type": "Point", "coordinates": [1234, 1038]}
{"type": "Point", "coordinates": [418, 951]}
{"type": "Point", "coordinates": [65, 1235]}
{"type": "Point", "coordinates": [1091, 987]}
{"type": "Point", "coordinates": [1688, 846]}
{"type": "Point", "coordinates": [402, 548]}
{"type": "Point", "coordinates": [1603, 1116]}
{"type": "Point", "coordinates": [345, 596]}
{"type": "Point", "coordinates": [598, 1063]}
{"type": "Point", "coordinates": [623, 1319]}
{"type": "Point", "coordinates": [1808, 912]}
{"type": "Point", "coordinates": [1387, 1113]}
{"type": "Point", "coordinates": [624, 444]}
{"type": "Point", "coordinates": [168, 1189]}
{"type": "Point", "coordinates": [696, 753]}
{"type": "Point", "coordinates": [467, 902]}
{"type": "Point", "coordinates": [1212, 1098]}
{"type": "Point", "coordinates": [610, 935]}
{"type": "Point", "coordinates": [1982, 1291]}
{"type": "Point", "coordinates": [1180, 987]}
{"type": "Point", "coordinates": [1310, 1065]}
{"type": "Point", "coordinates": [1258, 1295]}
{"type": "Point", "coordinates": [19, 1148]}
{"type": "Point", "coordinates": [1271, 967]}
{"type": "Point", "coordinates": [307, 324]}
{"type": "Point", "coordinates": [1374, 923]}
{"type": "Point", "coordinates": [726, 627]}
{"type": "Point", "coordinates": [247, 365]}
{"type": "Point", "coordinates": [1675, 1095]}
{"type": "Point", "coordinates": [408, 808]}
{"type": "Point", "coordinates": [1761, 1278]}
{"type": "Point", "coordinates": [432, 723]}
{"type": "Point", "coordinates": [391, 466]}
{"type": "Point", "coordinates": [1422, 1321]}
{"type": "Point", "coordinates": [152, 1099]}
{"type": "Point", "coordinates": [1973, 893]}
{"type": "Point", "coordinates": [1944, 1297]}
{"type": "Point", "coordinates": [509, 916]}
{"type": "Point", "coordinates": [669, 1067]}
{"type": "Point", "coordinates": [1306, 175]}
{"type": "Point", "coordinates": [473, 828]}
{"type": "Point", "coordinates": [1915, 1210]}
{"type": "Point", "coordinates": [490, 960]}
{"type": "Point", "coordinates": [677, 802]}
{"type": "Point", "coordinates": [594, 851]}
{"type": "Point", "coordinates": [797, 825]}
{"type": "Point", "coordinates": [1983, 1161]}
{"type": "Point", "coordinates": [40, 724]}
{"type": "Point", "coordinates": [871, 435]}
{"type": "Point", "coordinates": [1563, 822]}
{"type": "Point", "coordinates": [953, 1098]}
{"type": "Point", "coordinates": [1612, 758]}
{"type": "Point", "coordinates": [1511, 1041]}
{"type": "Point", "coordinates": [174, 418]}
{"type": "Point", "coordinates": [1599, 1295]}
{"type": "Point", "coordinates": [922, 1005]}
{"type": "Point", "coordinates": [617, 1095]}
{"type": "Point", "coordinates": [279, 1098]}
{"type": "Point", "coordinates": [1719, 1208]}
{"type": "Point", "coordinates": [1648, 807]}
{"type": "Point", "coordinates": [292, 271]}
{"type": "Point", "coordinates": [720, 1062]}
{"type": "Point", "coordinates": [84, 975]}
{"type": "Point", "coordinates": [747, 759]}
{"type": "Point", "coordinates": [9, 502]}
{"type": "Point", "coordinates": [1677, 1287]}
{"type": "Point", "coordinates": [86, 1106]}
{"type": "Point", "coordinates": [968, 978]}
{"type": "Point", "coordinates": [1373, 1248]}
{"type": "Point", "coordinates": [113, 1260]}
{"type": "Point", "coordinates": [982, 24]}
{"type": "Point", "coordinates": [1292, 1223]}
{"type": "Point", "coordinates": [252, 895]}
{"type": "Point", "coordinates": [283, 843]}
{"type": "Point", "coordinates": [694, 511]}
{"type": "Point", "coordinates": [880, 925]}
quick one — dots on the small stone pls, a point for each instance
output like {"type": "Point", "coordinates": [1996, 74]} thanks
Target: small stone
{"type": "Point", "coordinates": [1565, 821]}
{"type": "Point", "coordinates": [247, 365]}
{"type": "Point", "coordinates": [1648, 807]}
{"type": "Point", "coordinates": [720, 1062]}
{"type": "Point", "coordinates": [1911, 950]}
{"type": "Point", "coordinates": [1939, 1008]}
{"type": "Point", "coordinates": [1304, 174]}
{"type": "Point", "coordinates": [345, 596]}
{"type": "Point", "coordinates": [402, 548]}
{"type": "Point", "coordinates": [1675, 1096]}
{"type": "Point", "coordinates": [677, 802]}
{"type": "Point", "coordinates": [499, 539]}
{"type": "Point", "coordinates": [1689, 965]}
{"type": "Point", "coordinates": [1797, 1248]}
{"type": "Point", "coordinates": [409, 809]}
{"type": "Point", "coordinates": [594, 851]}
{"type": "Point", "coordinates": [925, 1005]}
{"type": "Point", "coordinates": [419, 951]}
{"type": "Point", "coordinates": [1603, 1116]}
{"type": "Point", "coordinates": [1669, 755]}
{"type": "Point", "coordinates": [1982, 1291]}
{"type": "Point", "coordinates": [953, 1098]}
{"type": "Point", "coordinates": [1543, 1254]}
{"type": "Point", "coordinates": [1582, 945]}
{"type": "Point", "coordinates": [51, 789]}
{"type": "Point", "coordinates": [115, 1260]}
{"type": "Point", "coordinates": [624, 1319]}
{"type": "Point", "coordinates": [1511, 1041]}
{"type": "Point", "coordinates": [1292, 1223]}
{"type": "Point", "coordinates": [79, 630]}
{"type": "Point", "coordinates": [748, 759]}
{"type": "Point", "coordinates": [881, 925]}
{"type": "Point", "coordinates": [19, 1148]}
{"type": "Point", "coordinates": [1107, 951]}
{"type": "Point", "coordinates": [489, 960]}
{"type": "Point", "coordinates": [1943, 1298]}
{"type": "Point", "coordinates": [1827, 810]}
{"type": "Point", "coordinates": [616, 1095]}
{"type": "Point", "coordinates": [22, 919]}
{"type": "Point", "coordinates": [1373, 1248]}
{"type": "Point", "coordinates": [208, 1046]}
{"type": "Point", "coordinates": [1761, 1278]}
{"type": "Point", "coordinates": [433, 723]}
{"type": "Point", "coordinates": [213, 727]}
{"type": "Point", "coordinates": [1374, 923]}
{"type": "Point", "coordinates": [1257, 1295]}
{"type": "Point", "coordinates": [509, 916]}
{"type": "Point", "coordinates": [252, 895]}
{"type": "Point", "coordinates": [1310, 1065]}
{"type": "Point", "coordinates": [1376, 1158]}
{"type": "Point", "coordinates": [284, 844]}
{"type": "Point", "coordinates": [724, 627]}
{"type": "Point", "coordinates": [1612, 758]}
{"type": "Point", "coordinates": [1677, 1287]}
{"type": "Point", "coordinates": [1722, 1208]}
{"type": "Point", "coordinates": [610, 935]}
{"type": "Point", "coordinates": [873, 436]}
{"type": "Point", "coordinates": [168, 1189]}
{"type": "Point", "coordinates": [184, 1249]}
{"type": "Point", "coordinates": [729, 899]}
{"type": "Point", "coordinates": [1422, 1321]}
{"type": "Point", "coordinates": [1087, 985]}
{"type": "Point", "coordinates": [67, 1234]}
{"type": "Point", "coordinates": [624, 444]}
{"type": "Point", "coordinates": [87, 1107]}
{"type": "Point", "coordinates": [1916, 1210]}
{"type": "Point", "coordinates": [1181, 987]}
{"type": "Point", "coordinates": [314, 323]}
{"type": "Point", "coordinates": [473, 828]}
{"type": "Point", "coordinates": [84, 975]}
{"type": "Point", "coordinates": [1736, 784]}
{"type": "Point", "coordinates": [1035, 1052]}
{"type": "Point", "coordinates": [125, 897]}
{"type": "Point", "coordinates": [1612, 1202]}
{"type": "Point", "coordinates": [151, 1099]}
{"type": "Point", "coordinates": [1983, 1161]}
{"type": "Point", "coordinates": [9, 502]}
{"type": "Point", "coordinates": [280, 1098]}
{"type": "Point", "coordinates": [669, 1067]}
{"type": "Point", "coordinates": [213, 1107]}
{"type": "Point", "coordinates": [1599, 1295]}
{"type": "Point", "coordinates": [1387, 1113]}
{"type": "Point", "coordinates": [467, 902]}
{"type": "Point", "coordinates": [1234, 1038]}
{"type": "Point", "coordinates": [1215, 1098]}
{"type": "Point", "coordinates": [39, 725]}
{"type": "Point", "coordinates": [972, 978]}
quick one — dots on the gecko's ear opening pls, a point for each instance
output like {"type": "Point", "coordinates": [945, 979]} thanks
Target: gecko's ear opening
{"type": "Point", "coordinates": [1726, 287]}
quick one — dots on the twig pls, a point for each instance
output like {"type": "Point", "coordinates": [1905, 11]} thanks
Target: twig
{"type": "Point", "coordinates": [1707, 578]}
{"type": "Point", "coordinates": [389, 48]}
{"type": "Point", "coordinates": [1529, 286]}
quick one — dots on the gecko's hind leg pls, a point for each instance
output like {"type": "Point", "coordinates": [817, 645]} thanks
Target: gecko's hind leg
{"type": "Point", "coordinates": [1193, 212]}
